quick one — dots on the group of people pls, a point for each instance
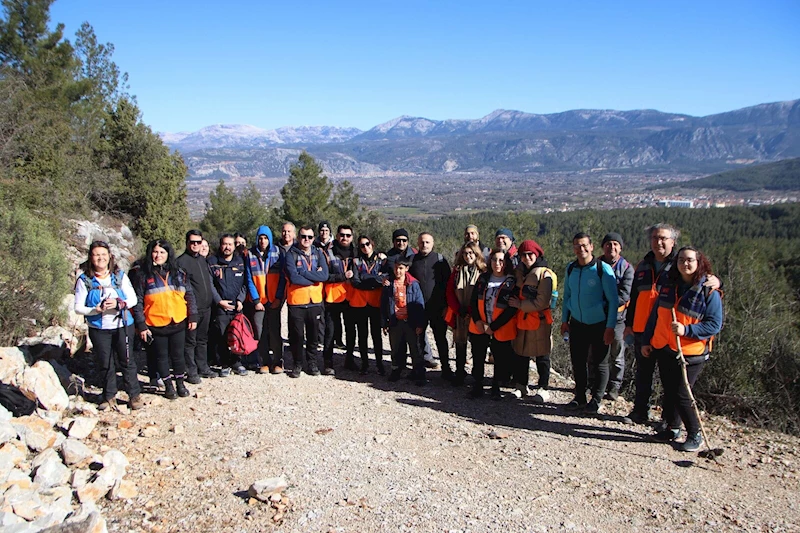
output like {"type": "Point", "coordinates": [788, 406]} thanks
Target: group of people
{"type": "Point", "coordinates": [499, 300]}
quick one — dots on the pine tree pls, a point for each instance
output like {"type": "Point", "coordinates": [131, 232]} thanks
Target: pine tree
{"type": "Point", "coordinates": [222, 212]}
{"type": "Point", "coordinates": [306, 194]}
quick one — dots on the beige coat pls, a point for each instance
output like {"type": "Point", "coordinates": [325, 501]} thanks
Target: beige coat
{"type": "Point", "coordinates": [539, 342]}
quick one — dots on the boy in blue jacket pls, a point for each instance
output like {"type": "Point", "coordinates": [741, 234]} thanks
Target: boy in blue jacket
{"type": "Point", "coordinates": [403, 318]}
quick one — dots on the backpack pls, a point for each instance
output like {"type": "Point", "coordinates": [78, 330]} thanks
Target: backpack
{"type": "Point", "coordinates": [12, 399]}
{"type": "Point", "coordinates": [241, 340]}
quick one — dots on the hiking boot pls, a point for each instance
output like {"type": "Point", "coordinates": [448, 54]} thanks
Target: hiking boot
{"type": "Point", "coordinates": [111, 403]}
{"type": "Point", "coordinates": [395, 375]}
{"type": "Point", "coordinates": [194, 380]}
{"type": "Point", "coordinates": [522, 390]}
{"type": "Point", "coordinates": [576, 403]}
{"type": "Point", "coordinates": [314, 371]}
{"type": "Point", "coordinates": [694, 441]}
{"type": "Point", "coordinates": [208, 374]}
{"type": "Point", "coordinates": [295, 373]}
{"type": "Point", "coordinates": [541, 396]}
{"type": "Point", "coordinates": [224, 372]}
{"type": "Point", "coordinates": [612, 395]}
{"type": "Point", "coordinates": [432, 365]}
{"type": "Point", "coordinates": [666, 435]}
{"type": "Point", "coordinates": [183, 392]}
{"type": "Point", "coordinates": [136, 403]}
{"type": "Point", "coordinates": [328, 371]}
{"type": "Point", "coordinates": [241, 370]}
{"type": "Point", "coordinates": [277, 369]}
{"type": "Point", "coordinates": [636, 417]}
{"type": "Point", "coordinates": [592, 408]}
{"type": "Point", "coordinates": [169, 390]}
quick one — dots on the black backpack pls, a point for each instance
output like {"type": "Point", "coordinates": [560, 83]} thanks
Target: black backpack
{"type": "Point", "coordinates": [16, 402]}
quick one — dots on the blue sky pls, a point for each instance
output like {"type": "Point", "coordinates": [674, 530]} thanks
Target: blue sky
{"type": "Point", "coordinates": [341, 63]}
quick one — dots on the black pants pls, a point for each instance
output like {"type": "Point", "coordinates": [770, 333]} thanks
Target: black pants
{"type": "Point", "coordinates": [196, 349]}
{"type": "Point", "coordinates": [167, 350]}
{"type": "Point", "coordinates": [645, 368]}
{"type": "Point", "coordinates": [582, 338]}
{"type": "Point", "coordinates": [434, 319]}
{"type": "Point", "coordinates": [333, 316]}
{"type": "Point", "coordinates": [304, 325]}
{"type": "Point", "coordinates": [677, 405]}
{"type": "Point", "coordinates": [268, 332]}
{"type": "Point", "coordinates": [369, 318]}
{"type": "Point", "coordinates": [503, 354]}
{"type": "Point", "coordinates": [224, 356]}
{"type": "Point", "coordinates": [461, 359]}
{"type": "Point", "coordinates": [113, 349]}
{"type": "Point", "coordinates": [402, 336]}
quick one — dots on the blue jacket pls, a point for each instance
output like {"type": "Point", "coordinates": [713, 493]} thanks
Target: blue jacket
{"type": "Point", "coordinates": [586, 299]}
{"type": "Point", "coordinates": [270, 262]}
{"type": "Point", "coordinates": [227, 279]}
{"type": "Point", "coordinates": [414, 302]}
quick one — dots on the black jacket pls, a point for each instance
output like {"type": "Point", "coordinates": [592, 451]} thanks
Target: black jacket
{"type": "Point", "coordinates": [196, 268]}
{"type": "Point", "coordinates": [432, 272]}
{"type": "Point", "coordinates": [228, 279]}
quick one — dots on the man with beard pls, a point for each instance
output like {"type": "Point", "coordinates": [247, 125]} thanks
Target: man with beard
{"type": "Point", "coordinates": [340, 257]}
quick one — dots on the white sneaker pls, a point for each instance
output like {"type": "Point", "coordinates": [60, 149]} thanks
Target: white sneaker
{"type": "Point", "coordinates": [541, 396]}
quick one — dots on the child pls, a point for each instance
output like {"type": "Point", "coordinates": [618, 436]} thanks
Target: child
{"type": "Point", "coordinates": [403, 318]}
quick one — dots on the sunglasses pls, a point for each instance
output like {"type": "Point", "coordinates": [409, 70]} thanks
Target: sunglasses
{"type": "Point", "coordinates": [306, 237]}
{"type": "Point", "coordinates": [345, 235]}
{"type": "Point", "coordinates": [364, 244]}
{"type": "Point", "coordinates": [195, 242]}
{"type": "Point", "coordinates": [401, 240]}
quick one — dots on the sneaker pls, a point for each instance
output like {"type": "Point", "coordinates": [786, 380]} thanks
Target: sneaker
{"type": "Point", "coordinates": [328, 371]}
{"type": "Point", "coordinates": [208, 374]}
{"type": "Point", "coordinates": [612, 395]}
{"type": "Point", "coordinates": [592, 408]}
{"type": "Point", "coordinates": [194, 380]}
{"type": "Point", "coordinates": [108, 404]}
{"type": "Point", "coordinates": [224, 372]}
{"type": "Point", "coordinates": [295, 373]}
{"type": "Point", "coordinates": [241, 371]}
{"type": "Point", "coordinates": [541, 396]}
{"type": "Point", "coordinates": [314, 371]}
{"type": "Point", "coordinates": [277, 369]}
{"type": "Point", "coordinates": [636, 417]}
{"type": "Point", "coordinates": [694, 441]}
{"type": "Point", "coordinates": [136, 403]}
{"type": "Point", "coordinates": [432, 365]}
{"type": "Point", "coordinates": [576, 404]}
{"type": "Point", "coordinates": [666, 435]}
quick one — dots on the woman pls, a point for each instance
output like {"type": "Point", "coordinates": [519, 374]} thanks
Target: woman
{"type": "Point", "coordinates": [104, 295]}
{"type": "Point", "coordinates": [365, 301]}
{"type": "Point", "coordinates": [468, 266]}
{"type": "Point", "coordinates": [535, 283]}
{"type": "Point", "coordinates": [165, 310]}
{"type": "Point", "coordinates": [698, 317]}
{"type": "Point", "coordinates": [493, 322]}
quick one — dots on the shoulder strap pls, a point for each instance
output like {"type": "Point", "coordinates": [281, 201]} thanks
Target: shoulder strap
{"type": "Point", "coordinates": [570, 268]}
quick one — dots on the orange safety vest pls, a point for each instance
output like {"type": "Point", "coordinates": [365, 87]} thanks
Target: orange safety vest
{"type": "Point", "coordinates": [164, 301]}
{"type": "Point", "coordinates": [360, 297]}
{"type": "Point", "coordinates": [337, 292]}
{"type": "Point", "coordinates": [507, 332]}
{"type": "Point", "coordinates": [299, 294]}
{"type": "Point", "coordinates": [647, 282]}
{"type": "Point", "coordinates": [663, 335]}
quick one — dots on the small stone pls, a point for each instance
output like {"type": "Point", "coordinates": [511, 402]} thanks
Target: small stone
{"type": "Point", "coordinates": [80, 478]}
{"type": "Point", "coordinates": [74, 451]}
{"type": "Point", "coordinates": [112, 434]}
{"type": "Point", "coordinates": [265, 488]}
{"type": "Point", "coordinates": [123, 490]}
{"type": "Point", "coordinates": [177, 429]}
{"type": "Point", "coordinates": [12, 364]}
{"type": "Point", "coordinates": [82, 427]}
{"type": "Point", "coordinates": [124, 424]}
{"type": "Point", "coordinates": [150, 504]}
{"type": "Point", "coordinates": [51, 472]}
{"type": "Point", "coordinates": [17, 478]}
{"type": "Point", "coordinates": [149, 432]}
{"type": "Point", "coordinates": [40, 383]}
{"type": "Point", "coordinates": [164, 461]}
{"type": "Point", "coordinates": [498, 434]}
{"type": "Point", "coordinates": [34, 432]}
{"type": "Point", "coordinates": [10, 456]}
{"type": "Point", "coordinates": [115, 458]}
{"type": "Point", "coordinates": [275, 498]}
{"type": "Point", "coordinates": [5, 414]}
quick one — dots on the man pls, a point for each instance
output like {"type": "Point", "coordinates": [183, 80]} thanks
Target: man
{"type": "Point", "coordinates": [647, 280]}
{"type": "Point", "coordinates": [471, 234]}
{"type": "Point", "coordinates": [305, 271]}
{"type": "Point", "coordinates": [324, 238]}
{"type": "Point", "coordinates": [266, 285]}
{"type": "Point", "coordinates": [196, 347]}
{"type": "Point", "coordinates": [288, 233]}
{"type": "Point", "coordinates": [623, 272]}
{"type": "Point", "coordinates": [589, 286]}
{"type": "Point", "coordinates": [228, 291]}
{"type": "Point", "coordinates": [400, 248]}
{"type": "Point", "coordinates": [432, 271]}
{"type": "Point", "coordinates": [324, 241]}
{"type": "Point", "coordinates": [341, 275]}
{"type": "Point", "coordinates": [504, 240]}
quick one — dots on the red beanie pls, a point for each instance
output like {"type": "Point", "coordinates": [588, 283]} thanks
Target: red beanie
{"type": "Point", "coordinates": [530, 246]}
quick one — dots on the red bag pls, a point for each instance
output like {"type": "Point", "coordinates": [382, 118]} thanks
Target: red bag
{"type": "Point", "coordinates": [241, 340]}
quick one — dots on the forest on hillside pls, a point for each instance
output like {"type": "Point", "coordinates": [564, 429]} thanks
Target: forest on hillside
{"type": "Point", "coordinates": [779, 176]}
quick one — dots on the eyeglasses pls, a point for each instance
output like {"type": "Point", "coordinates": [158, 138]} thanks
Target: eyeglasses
{"type": "Point", "coordinates": [192, 243]}
{"type": "Point", "coordinates": [364, 244]}
{"type": "Point", "coordinates": [401, 240]}
{"type": "Point", "coordinates": [660, 238]}
{"type": "Point", "coordinates": [687, 260]}
{"type": "Point", "coordinates": [306, 237]}
{"type": "Point", "coordinates": [345, 235]}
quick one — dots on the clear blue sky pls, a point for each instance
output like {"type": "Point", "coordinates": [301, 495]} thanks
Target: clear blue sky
{"type": "Point", "coordinates": [348, 63]}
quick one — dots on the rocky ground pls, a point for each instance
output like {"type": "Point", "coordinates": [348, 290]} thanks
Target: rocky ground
{"type": "Point", "coordinates": [361, 454]}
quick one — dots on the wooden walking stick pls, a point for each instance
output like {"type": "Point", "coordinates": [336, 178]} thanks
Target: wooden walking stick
{"type": "Point", "coordinates": [708, 453]}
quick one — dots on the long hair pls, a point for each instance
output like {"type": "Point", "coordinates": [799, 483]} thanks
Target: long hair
{"type": "Point", "coordinates": [703, 266]}
{"type": "Point", "coordinates": [147, 260]}
{"type": "Point", "coordinates": [508, 265]}
{"type": "Point", "coordinates": [88, 267]}
{"type": "Point", "coordinates": [479, 261]}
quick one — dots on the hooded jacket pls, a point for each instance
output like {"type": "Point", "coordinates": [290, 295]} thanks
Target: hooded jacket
{"type": "Point", "coordinates": [587, 295]}
{"type": "Point", "coordinates": [266, 282]}
{"type": "Point", "coordinates": [228, 277]}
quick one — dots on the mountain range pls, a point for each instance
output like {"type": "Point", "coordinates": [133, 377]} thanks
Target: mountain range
{"type": "Point", "coordinates": [505, 140]}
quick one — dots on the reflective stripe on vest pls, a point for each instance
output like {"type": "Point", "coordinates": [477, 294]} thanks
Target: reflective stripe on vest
{"type": "Point", "coordinates": [663, 335]}
{"type": "Point", "coordinates": [164, 303]}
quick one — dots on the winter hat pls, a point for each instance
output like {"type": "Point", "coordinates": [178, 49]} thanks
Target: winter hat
{"type": "Point", "coordinates": [530, 246]}
{"type": "Point", "coordinates": [324, 224]}
{"type": "Point", "coordinates": [506, 232]}
{"type": "Point", "coordinates": [399, 233]}
{"type": "Point", "coordinates": [613, 236]}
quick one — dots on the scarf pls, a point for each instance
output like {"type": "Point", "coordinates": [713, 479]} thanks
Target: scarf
{"type": "Point", "coordinates": [466, 277]}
